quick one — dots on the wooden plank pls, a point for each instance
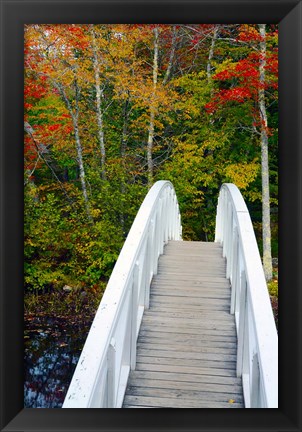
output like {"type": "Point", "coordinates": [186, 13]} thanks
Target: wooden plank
{"type": "Point", "coordinates": [188, 301]}
{"type": "Point", "coordinates": [189, 378]}
{"type": "Point", "coordinates": [189, 362]}
{"type": "Point", "coordinates": [175, 403]}
{"type": "Point", "coordinates": [197, 321]}
{"type": "Point", "coordinates": [206, 308]}
{"type": "Point", "coordinates": [187, 314]}
{"type": "Point", "coordinates": [178, 297]}
{"type": "Point", "coordinates": [189, 344]}
{"type": "Point", "coordinates": [184, 394]}
{"type": "Point", "coordinates": [184, 369]}
{"type": "Point", "coordinates": [183, 322]}
{"type": "Point", "coordinates": [179, 287]}
{"type": "Point", "coordinates": [193, 244]}
{"type": "Point", "coordinates": [200, 287]}
{"type": "Point", "coordinates": [197, 254]}
{"type": "Point", "coordinates": [155, 304]}
{"type": "Point", "coordinates": [190, 293]}
{"type": "Point", "coordinates": [192, 262]}
{"type": "Point", "coordinates": [204, 287]}
{"type": "Point", "coordinates": [186, 355]}
{"type": "Point", "coordinates": [186, 390]}
{"type": "Point", "coordinates": [235, 391]}
{"type": "Point", "coordinates": [137, 406]}
{"type": "Point", "coordinates": [192, 282]}
{"type": "Point", "coordinates": [176, 271]}
{"type": "Point", "coordinates": [183, 347]}
{"type": "Point", "coordinates": [201, 254]}
{"type": "Point", "coordinates": [190, 278]}
{"type": "Point", "coordinates": [189, 331]}
{"type": "Point", "coordinates": [178, 293]}
{"type": "Point", "coordinates": [168, 333]}
{"type": "Point", "coordinates": [191, 312]}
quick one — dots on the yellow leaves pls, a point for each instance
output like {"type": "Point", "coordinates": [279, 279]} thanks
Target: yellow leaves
{"type": "Point", "coordinates": [242, 174]}
{"type": "Point", "coordinates": [253, 195]}
{"type": "Point", "coordinates": [225, 65]}
{"type": "Point", "coordinates": [187, 80]}
{"type": "Point", "coordinates": [95, 213]}
{"type": "Point", "coordinates": [231, 401]}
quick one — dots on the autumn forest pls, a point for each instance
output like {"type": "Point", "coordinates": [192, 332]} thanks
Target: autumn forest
{"type": "Point", "coordinates": [109, 110]}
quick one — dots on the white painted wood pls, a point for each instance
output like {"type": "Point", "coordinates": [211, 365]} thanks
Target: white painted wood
{"type": "Point", "coordinates": [111, 374]}
{"type": "Point", "coordinates": [260, 334]}
{"type": "Point", "coordinates": [134, 317]}
{"type": "Point", "coordinates": [241, 323]}
{"type": "Point", "coordinates": [125, 370]}
{"type": "Point", "coordinates": [157, 221]}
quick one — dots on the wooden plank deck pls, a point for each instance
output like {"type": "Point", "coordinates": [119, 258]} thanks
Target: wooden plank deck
{"type": "Point", "coordinates": [186, 348]}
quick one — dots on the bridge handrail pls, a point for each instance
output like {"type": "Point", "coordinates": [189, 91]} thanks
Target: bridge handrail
{"type": "Point", "coordinates": [109, 352]}
{"type": "Point", "coordinates": [257, 352]}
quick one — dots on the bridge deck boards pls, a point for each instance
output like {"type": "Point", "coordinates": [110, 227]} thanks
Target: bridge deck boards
{"type": "Point", "coordinates": [186, 348]}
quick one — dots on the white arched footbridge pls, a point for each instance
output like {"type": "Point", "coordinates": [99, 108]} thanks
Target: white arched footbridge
{"type": "Point", "coordinates": [182, 324]}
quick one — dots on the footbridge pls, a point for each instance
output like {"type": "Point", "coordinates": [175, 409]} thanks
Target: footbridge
{"type": "Point", "coordinates": [182, 324]}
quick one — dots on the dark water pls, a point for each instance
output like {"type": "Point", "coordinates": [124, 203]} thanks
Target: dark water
{"type": "Point", "coordinates": [52, 349]}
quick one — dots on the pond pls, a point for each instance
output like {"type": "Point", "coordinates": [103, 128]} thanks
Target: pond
{"type": "Point", "coordinates": [52, 347]}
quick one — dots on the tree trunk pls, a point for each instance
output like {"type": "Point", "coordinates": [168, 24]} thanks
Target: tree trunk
{"type": "Point", "coordinates": [152, 110]}
{"type": "Point", "coordinates": [125, 129]}
{"type": "Point", "coordinates": [74, 115]}
{"type": "Point", "coordinates": [123, 155]}
{"type": "Point", "coordinates": [211, 54]}
{"type": "Point", "coordinates": [99, 93]}
{"type": "Point", "coordinates": [266, 228]}
{"type": "Point", "coordinates": [171, 58]}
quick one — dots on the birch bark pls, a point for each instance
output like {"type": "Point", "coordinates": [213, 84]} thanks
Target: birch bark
{"type": "Point", "coordinates": [266, 228]}
{"type": "Point", "coordinates": [211, 54]}
{"type": "Point", "coordinates": [99, 112]}
{"type": "Point", "coordinates": [171, 57]}
{"type": "Point", "coordinates": [74, 113]}
{"type": "Point", "coordinates": [152, 110]}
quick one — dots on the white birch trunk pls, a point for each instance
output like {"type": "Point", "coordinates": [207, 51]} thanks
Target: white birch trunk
{"type": "Point", "coordinates": [171, 58]}
{"type": "Point", "coordinates": [209, 67]}
{"type": "Point", "coordinates": [211, 54]}
{"type": "Point", "coordinates": [152, 111]}
{"type": "Point", "coordinates": [99, 112]}
{"type": "Point", "coordinates": [74, 116]}
{"type": "Point", "coordinates": [266, 226]}
{"type": "Point", "coordinates": [123, 155]}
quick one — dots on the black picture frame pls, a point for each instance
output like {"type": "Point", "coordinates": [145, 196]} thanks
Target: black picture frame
{"type": "Point", "coordinates": [14, 14]}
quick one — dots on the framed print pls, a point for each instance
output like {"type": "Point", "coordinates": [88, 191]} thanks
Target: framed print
{"type": "Point", "coordinates": [18, 15]}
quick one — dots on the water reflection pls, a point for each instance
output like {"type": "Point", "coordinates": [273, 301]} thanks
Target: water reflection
{"type": "Point", "coordinates": [52, 350]}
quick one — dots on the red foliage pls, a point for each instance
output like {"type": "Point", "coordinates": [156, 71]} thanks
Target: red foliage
{"type": "Point", "coordinates": [34, 90]}
{"type": "Point", "coordinates": [244, 75]}
{"type": "Point", "coordinates": [54, 127]}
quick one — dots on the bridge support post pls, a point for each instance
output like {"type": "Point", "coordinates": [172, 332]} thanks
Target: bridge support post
{"type": "Point", "coordinates": [255, 383]}
{"type": "Point", "coordinates": [111, 374]}
{"type": "Point", "coordinates": [235, 271]}
{"type": "Point", "coordinates": [134, 307]}
{"type": "Point", "coordinates": [241, 324]}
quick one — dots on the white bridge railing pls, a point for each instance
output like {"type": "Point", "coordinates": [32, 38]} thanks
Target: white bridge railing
{"type": "Point", "coordinates": [257, 352]}
{"type": "Point", "coordinates": [101, 375]}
